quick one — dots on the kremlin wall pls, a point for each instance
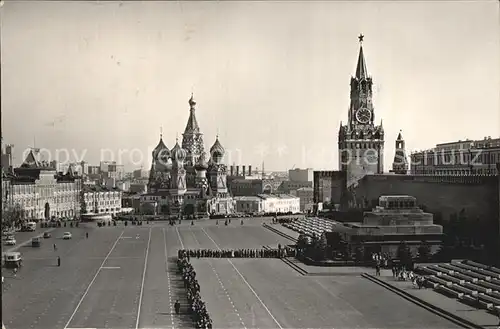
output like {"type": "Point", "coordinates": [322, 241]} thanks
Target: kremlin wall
{"type": "Point", "coordinates": [478, 196]}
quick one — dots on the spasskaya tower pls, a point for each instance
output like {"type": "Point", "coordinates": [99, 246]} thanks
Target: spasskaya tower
{"type": "Point", "coordinates": [361, 142]}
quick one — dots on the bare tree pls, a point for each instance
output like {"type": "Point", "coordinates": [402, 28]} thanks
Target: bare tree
{"type": "Point", "coordinates": [12, 216]}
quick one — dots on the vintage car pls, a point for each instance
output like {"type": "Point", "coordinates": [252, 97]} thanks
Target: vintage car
{"type": "Point", "coordinates": [12, 259]}
{"type": "Point", "coordinates": [36, 242]}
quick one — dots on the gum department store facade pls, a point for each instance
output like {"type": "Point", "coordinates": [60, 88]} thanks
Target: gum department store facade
{"type": "Point", "coordinates": [40, 191]}
{"type": "Point", "coordinates": [183, 181]}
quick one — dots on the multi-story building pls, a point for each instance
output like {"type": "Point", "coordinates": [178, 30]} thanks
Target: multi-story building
{"type": "Point", "coordinates": [110, 169]}
{"type": "Point", "coordinates": [248, 204]}
{"type": "Point", "coordinates": [100, 200]}
{"type": "Point", "coordinates": [7, 156]}
{"type": "Point", "coordinates": [281, 204]}
{"type": "Point", "coordinates": [140, 173]}
{"type": "Point", "coordinates": [268, 204]}
{"type": "Point", "coordinates": [288, 186]}
{"type": "Point", "coordinates": [306, 197]}
{"type": "Point", "coordinates": [467, 157]}
{"type": "Point", "coordinates": [301, 175]}
{"type": "Point", "coordinates": [361, 142]}
{"type": "Point", "coordinates": [185, 181]}
{"type": "Point", "coordinates": [42, 192]}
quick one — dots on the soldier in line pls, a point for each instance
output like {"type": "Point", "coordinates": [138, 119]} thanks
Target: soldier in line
{"type": "Point", "coordinates": [240, 253]}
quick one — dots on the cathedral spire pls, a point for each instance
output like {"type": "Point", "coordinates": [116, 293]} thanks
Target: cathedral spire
{"type": "Point", "coordinates": [192, 124]}
{"type": "Point", "coordinates": [361, 72]}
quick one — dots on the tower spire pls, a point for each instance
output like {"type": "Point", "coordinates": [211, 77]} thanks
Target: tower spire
{"type": "Point", "coordinates": [161, 132]}
{"type": "Point", "coordinates": [361, 72]}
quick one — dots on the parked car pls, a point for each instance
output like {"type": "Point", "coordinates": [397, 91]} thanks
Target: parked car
{"type": "Point", "coordinates": [67, 236]}
{"type": "Point", "coordinates": [10, 241]}
{"type": "Point", "coordinates": [46, 235]}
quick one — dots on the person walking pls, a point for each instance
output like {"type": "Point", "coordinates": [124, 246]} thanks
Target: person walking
{"type": "Point", "coordinates": [58, 261]}
{"type": "Point", "coordinates": [177, 307]}
{"type": "Point", "coordinates": [87, 235]}
{"type": "Point", "coordinates": [55, 247]}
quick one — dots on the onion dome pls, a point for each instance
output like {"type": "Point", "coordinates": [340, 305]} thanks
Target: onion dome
{"type": "Point", "coordinates": [217, 150]}
{"type": "Point", "coordinates": [161, 151]}
{"type": "Point", "coordinates": [201, 164]}
{"type": "Point", "coordinates": [178, 153]}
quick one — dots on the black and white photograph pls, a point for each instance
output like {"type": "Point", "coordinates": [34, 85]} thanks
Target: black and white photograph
{"type": "Point", "coordinates": [250, 164]}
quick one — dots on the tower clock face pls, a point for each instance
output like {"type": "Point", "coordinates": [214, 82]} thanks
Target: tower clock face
{"type": "Point", "coordinates": [363, 115]}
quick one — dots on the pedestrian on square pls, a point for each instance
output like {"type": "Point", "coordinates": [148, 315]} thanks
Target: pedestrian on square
{"type": "Point", "coordinates": [177, 307]}
{"type": "Point", "coordinates": [87, 235]}
{"type": "Point", "coordinates": [55, 247]}
{"type": "Point", "coordinates": [58, 261]}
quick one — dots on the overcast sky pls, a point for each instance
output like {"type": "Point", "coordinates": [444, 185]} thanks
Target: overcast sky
{"type": "Point", "coordinates": [266, 75]}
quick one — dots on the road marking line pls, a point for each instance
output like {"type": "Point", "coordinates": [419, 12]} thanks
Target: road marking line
{"type": "Point", "coordinates": [110, 267]}
{"type": "Point", "coordinates": [92, 282]}
{"type": "Point", "coordinates": [221, 284]}
{"type": "Point", "coordinates": [142, 283]}
{"type": "Point", "coordinates": [168, 278]}
{"type": "Point", "coordinates": [246, 282]}
{"type": "Point", "coordinates": [179, 235]}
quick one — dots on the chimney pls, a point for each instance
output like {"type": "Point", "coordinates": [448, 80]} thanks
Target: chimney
{"type": "Point", "coordinates": [237, 170]}
{"type": "Point", "coordinates": [249, 170]}
{"type": "Point", "coordinates": [244, 167]}
{"type": "Point", "coordinates": [232, 170]}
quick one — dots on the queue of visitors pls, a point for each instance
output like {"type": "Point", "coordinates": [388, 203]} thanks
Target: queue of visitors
{"type": "Point", "coordinates": [241, 253]}
{"type": "Point", "coordinates": [401, 274]}
{"type": "Point", "coordinates": [283, 220]}
{"type": "Point", "coordinates": [197, 307]}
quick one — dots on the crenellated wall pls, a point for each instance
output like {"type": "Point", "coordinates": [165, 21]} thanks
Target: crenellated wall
{"type": "Point", "coordinates": [479, 196]}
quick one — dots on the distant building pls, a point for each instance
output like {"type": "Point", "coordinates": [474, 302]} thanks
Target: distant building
{"type": "Point", "coordinates": [140, 173]}
{"type": "Point", "coordinates": [138, 188]}
{"type": "Point", "coordinates": [248, 204]}
{"type": "Point", "coordinates": [282, 203]}
{"type": "Point", "coordinates": [306, 197]}
{"type": "Point", "coordinates": [287, 187]}
{"type": "Point", "coordinates": [7, 156]}
{"type": "Point", "coordinates": [268, 204]}
{"type": "Point", "coordinates": [301, 175]}
{"type": "Point", "coordinates": [246, 187]}
{"type": "Point", "coordinates": [42, 192]}
{"type": "Point", "coordinates": [100, 200]}
{"type": "Point", "coordinates": [458, 158]}
{"type": "Point", "coordinates": [110, 169]}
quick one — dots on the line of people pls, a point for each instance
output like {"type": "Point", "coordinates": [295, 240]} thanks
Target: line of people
{"type": "Point", "coordinates": [197, 307]}
{"type": "Point", "coordinates": [241, 253]}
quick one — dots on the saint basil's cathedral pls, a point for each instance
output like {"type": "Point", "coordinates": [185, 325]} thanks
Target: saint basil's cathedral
{"type": "Point", "coordinates": [183, 181]}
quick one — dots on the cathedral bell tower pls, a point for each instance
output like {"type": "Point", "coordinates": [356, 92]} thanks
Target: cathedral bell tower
{"type": "Point", "coordinates": [192, 138]}
{"type": "Point", "coordinates": [361, 142]}
{"type": "Point", "coordinates": [400, 163]}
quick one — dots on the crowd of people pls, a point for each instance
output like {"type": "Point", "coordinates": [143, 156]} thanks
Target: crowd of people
{"type": "Point", "coordinates": [241, 253]}
{"type": "Point", "coordinates": [283, 220]}
{"type": "Point", "coordinates": [197, 307]}
{"type": "Point", "coordinates": [402, 274]}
